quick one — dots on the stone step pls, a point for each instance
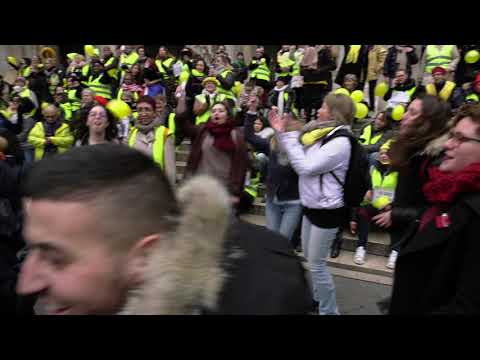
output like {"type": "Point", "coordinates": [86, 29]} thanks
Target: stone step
{"type": "Point", "coordinates": [182, 155]}
{"type": "Point", "coordinates": [374, 265]}
{"type": "Point", "coordinates": [378, 242]}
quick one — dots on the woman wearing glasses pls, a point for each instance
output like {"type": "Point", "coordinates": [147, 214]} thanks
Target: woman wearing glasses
{"type": "Point", "coordinates": [438, 269]}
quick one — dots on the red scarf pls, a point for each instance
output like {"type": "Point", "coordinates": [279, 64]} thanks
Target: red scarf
{"type": "Point", "coordinates": [443, 188]}
{"type": "Point", "coordinates": [222, 135]}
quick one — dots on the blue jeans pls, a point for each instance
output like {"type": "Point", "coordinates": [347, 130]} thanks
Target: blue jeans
{"type": "Point", "coordinates": [283, 216]}
{"type": "Point", "coordinates": [316, 243]}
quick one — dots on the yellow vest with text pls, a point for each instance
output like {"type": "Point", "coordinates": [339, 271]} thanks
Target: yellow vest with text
{"type": "Point", "coordinates": [62, 139]}
{"type": "Point", "coordinates": [445, 93]}
{"type": "Point", "coordinates": [161, 134]}
{"type": "Point", "coordinates": [435, 57]}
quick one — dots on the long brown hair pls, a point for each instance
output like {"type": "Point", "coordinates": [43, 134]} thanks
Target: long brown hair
{"type": "Point", "coordinates": [431, 124]}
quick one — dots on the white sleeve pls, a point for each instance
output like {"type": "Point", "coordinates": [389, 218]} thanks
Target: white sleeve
{"type": "Point", "coordinates": [320, 160]}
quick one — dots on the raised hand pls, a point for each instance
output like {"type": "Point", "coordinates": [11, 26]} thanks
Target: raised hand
{"type": "Point", "coordinates": [276, 121]}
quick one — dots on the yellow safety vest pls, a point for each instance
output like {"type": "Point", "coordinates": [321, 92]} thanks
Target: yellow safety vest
{"type": "Point", "coordinates": [26, 72]}
{"type": "Point", "coordinates": [228, 93]}
{"type": "Point", "coordinates": [366, 137]}
{"type": "Point", "coordinates": [129, 59]}
{"type": "Point", "coordinates": [203, 118]}
{"type": "Point", "coordinates": [162, 65]}
{"type": "Point", "coordinates": [161, 134]}
{"type": "Point", "coordinates": [112, 72]}
{"type": "Point", "coordinates": [63, 139]}
{"type": "Point", "coordinates": [444, 93]}
{"type": "Point", "coordinates": [252, 186]}
{"type": "Point", "coordinates": [285, 62]}
{"type": "Point", "coordinates": [103, 90]}
{"type": "Point", "coordinates": [262, 72]}
{"type": "Point", "coordinates": [383, 186]}
{"type": "Point", "coordinates": [72, 97]}
{"type": "Point", "coordinates": [472, 97]}
{"type": "Point", "coordinates": [26, 93]}
{"type": "Point", "coordinates": [120, 93]}
{"type": "Point", "coordinates": [67, 110]}
{"type": "Point", "coordinates": [435, 57]}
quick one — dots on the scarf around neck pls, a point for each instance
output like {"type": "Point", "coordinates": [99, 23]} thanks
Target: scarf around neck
{"type": "Point", "coordinates": [443, 188]}
{"type": "Point", "coordinates": [316, 130]}
{"type": "Point", "coordinates": [281, 100]}
{"type": "Point", "coordinates": [222, 134]}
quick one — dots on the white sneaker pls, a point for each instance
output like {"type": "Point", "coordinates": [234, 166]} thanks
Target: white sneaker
{"type": "Point", "coordinates": [359, 257]}
{"type": "Point", "coordinates": [392, 259]}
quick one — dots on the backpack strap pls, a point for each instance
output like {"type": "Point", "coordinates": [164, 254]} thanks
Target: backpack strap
{"type": "Point", "coordinates": [338, 133]}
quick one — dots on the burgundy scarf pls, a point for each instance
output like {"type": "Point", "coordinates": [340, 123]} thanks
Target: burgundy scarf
{"type": "Point", "coordinates": [222, 135]}
{"type": "Point", "coordinates": [443, 188]}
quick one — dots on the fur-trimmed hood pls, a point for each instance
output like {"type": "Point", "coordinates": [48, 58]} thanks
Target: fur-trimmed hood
{"type": "Point", "coordinates": [184, 272]}
{"type": "Point", "coordinates": [435, 146]}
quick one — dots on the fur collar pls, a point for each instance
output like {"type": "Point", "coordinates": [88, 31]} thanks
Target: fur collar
{"type": "Point", "coordinates": [184, 271]}
{"type": "Point", "coordinates": [435, 146]}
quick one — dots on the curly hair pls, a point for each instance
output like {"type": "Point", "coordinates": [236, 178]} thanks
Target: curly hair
{"type": "Point", "coordinates": [81, 132]}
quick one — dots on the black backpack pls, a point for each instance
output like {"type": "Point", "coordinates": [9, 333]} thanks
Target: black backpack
{"type": "Point", "coordinates": [357, 180]}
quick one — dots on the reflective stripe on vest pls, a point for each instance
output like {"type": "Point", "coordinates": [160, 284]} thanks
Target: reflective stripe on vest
{"type": "Point", "coordinates": [383, 185]}
{"type": "Point", "coordinates": [472, 97]}
{"type": "Point", "coordinates": [203, 118]}
{"type": "Point", "coordinates": [366, 137]}
{"type": "Point", "coordinates": [161, 134]}
{"type": "Point", "coordinates": [103, 90]}
{"type": "Point", "coordinates": [74, 100]}
{"type": "Point", "coordinates": [435, 57]}
{"type": "Point", "coordinates": [444, 93]}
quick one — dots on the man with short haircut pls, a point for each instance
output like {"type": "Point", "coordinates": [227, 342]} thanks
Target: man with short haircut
{"type": "Point", "coordinates": [106, 234]}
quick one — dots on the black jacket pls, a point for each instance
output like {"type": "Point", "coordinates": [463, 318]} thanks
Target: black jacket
{"type": "Point", "coordinates": [359, 68]}
{"type": "Point", "coordinates": [323, 72]}
{"type": "Point", "coordinates": [390, 66]}
{"type": "Point", "coordinates": [268, 280]}
{"type": "Point", "coordinates": [466, 72]}
{"type": "Point", "coordinates": [437, 270]}
{"type": "Point", "coordinates": [282, 181]}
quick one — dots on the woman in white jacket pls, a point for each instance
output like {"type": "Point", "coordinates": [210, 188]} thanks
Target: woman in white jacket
{"type": "Point", "coordinates": [320, 193]}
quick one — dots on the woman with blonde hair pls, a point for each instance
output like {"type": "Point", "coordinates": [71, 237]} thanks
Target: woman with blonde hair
{"type": "Point", "coordinates": [320, 154]}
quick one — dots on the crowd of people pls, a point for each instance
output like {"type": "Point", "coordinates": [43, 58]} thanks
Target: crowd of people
{"type": "Point", "coordinates": [404, 159]}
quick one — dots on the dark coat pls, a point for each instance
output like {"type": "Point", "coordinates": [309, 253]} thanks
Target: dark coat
{"type": "Point", "coordinates": [390, 66]}
{"type": "Point", "coordinates": [466, 72]}
{"type": "Point", "coordinates": [359, 68]}
{"type": "Point", "coordinates": [282, 181]}
{"type": "Point", "coordinates": [437, 270]}
{"type": "Point", "coordinates": [269, 279]}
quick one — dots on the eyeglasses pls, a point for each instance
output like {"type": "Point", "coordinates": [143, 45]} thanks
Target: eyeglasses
{"type": "Point", "coordinates": [460, 139]}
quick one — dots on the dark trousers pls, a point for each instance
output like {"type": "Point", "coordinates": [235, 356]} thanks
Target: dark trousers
{"type": "Point", "coordinates": [313, 96]}
{"type": "Point", "coordinates": [365, 215]}
{"type": "Point", "coordinates": [371, 94]}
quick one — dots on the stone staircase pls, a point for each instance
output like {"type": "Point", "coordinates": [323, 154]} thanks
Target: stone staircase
{"type": "Point", "coordinates": [374, 269]}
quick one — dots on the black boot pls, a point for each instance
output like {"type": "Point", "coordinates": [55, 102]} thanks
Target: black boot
{"type": "Point", "coordinates": [336, 246]}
